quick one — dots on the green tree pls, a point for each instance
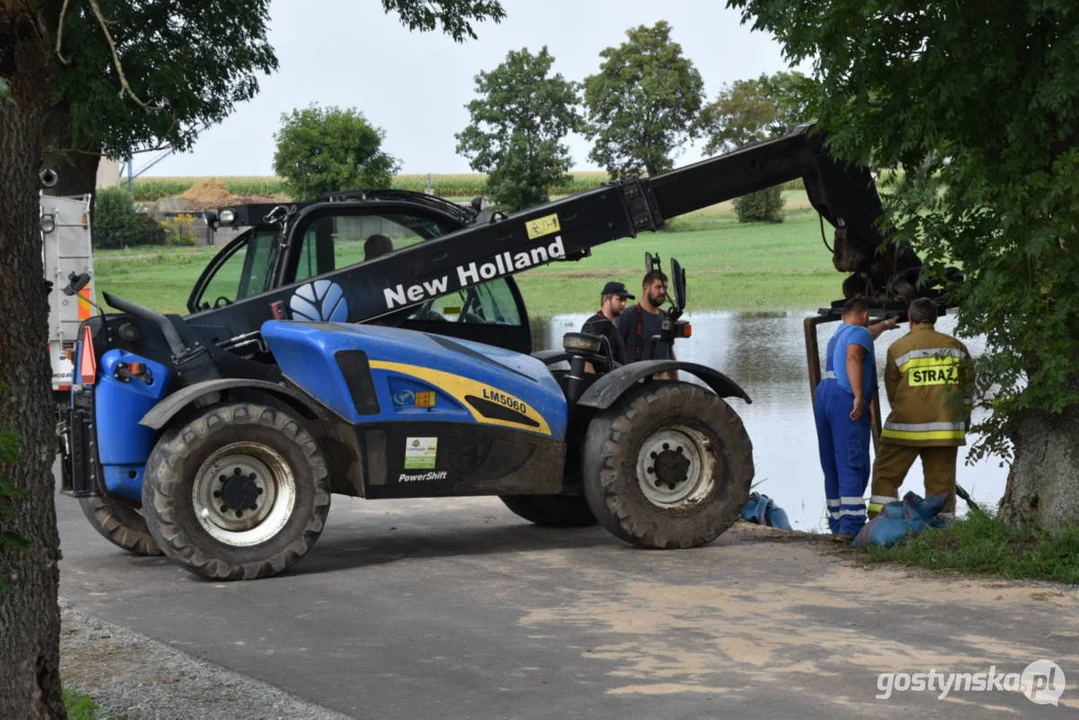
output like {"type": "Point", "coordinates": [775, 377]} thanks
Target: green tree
{"type": "Point", "coordinates": [184, 67]}
{"type": "Point", "coordinates": [517, 124]}
{"type": "Point", "coordinates": [747, 112]}
{"type": "Point", "coordinates": [45, 47]}
{"type": "Point", "coordinates": [325, 150]}
{"type": "Point", "coordinates": [976, 102]}
{"type": "Point", "coordinates": [643, 103]}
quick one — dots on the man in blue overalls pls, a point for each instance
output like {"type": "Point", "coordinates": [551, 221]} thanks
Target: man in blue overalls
{"type": "Point", "coordinates": [843, 418]}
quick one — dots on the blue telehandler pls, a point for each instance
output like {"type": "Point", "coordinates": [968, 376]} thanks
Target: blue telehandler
{"type": "Point", "coordinates": [373, 344]}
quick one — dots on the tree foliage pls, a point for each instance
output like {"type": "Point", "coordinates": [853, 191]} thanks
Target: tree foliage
{"type": "Point", "coordinates": [747, 112]}
{"type": "Point", "coordinates": [321, 150]}
{"type": "Point", "coordinates": [979, 104]}
{"type": "Point", "coordinates": [452, 17]}
{"type": "Point", "coordinates": [517, 124]}
{"type": "Point", "coordinates": [187, 65]}
{"type": "Point", "coordinates": [643, 103]}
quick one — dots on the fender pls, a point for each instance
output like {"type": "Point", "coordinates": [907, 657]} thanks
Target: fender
{"type": "Point", "coordinates": [164, 411]}
{"type": "Point", "coordinates": [603, 393]}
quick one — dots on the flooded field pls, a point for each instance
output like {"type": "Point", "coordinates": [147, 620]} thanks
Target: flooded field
{"type": "Point", "coordinates": [765, 354]}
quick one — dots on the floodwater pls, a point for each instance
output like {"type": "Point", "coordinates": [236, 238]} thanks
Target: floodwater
{"type": "Point", "coordinates": [765, 354]}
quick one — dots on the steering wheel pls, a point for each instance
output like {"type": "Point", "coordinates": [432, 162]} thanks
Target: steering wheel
{"type": "Point", "coordinates": [222, 301]}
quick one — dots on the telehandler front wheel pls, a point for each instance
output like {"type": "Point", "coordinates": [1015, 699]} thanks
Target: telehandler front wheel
{"type": "Point", "coordinates": [669, 465]}
{"type": "Point", "coordinates": [240, 492]}
{"type": "Point", "coordinates": [551, 510]}
{"type": "Point", "coordinates": [120, 524]}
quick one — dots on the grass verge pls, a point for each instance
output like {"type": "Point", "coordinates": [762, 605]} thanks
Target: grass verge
{"type": "Point", "coordinates": [984, 544]}
{"type": "Point", "coordinates": [81, 707]}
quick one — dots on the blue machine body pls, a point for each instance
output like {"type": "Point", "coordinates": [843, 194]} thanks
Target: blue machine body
{"type": "Point", "coordinates": [419, 376]}
{"type": "Point", "coordinates": [404, 377]}
{"type": "Point", "coordinates": [119, 404]}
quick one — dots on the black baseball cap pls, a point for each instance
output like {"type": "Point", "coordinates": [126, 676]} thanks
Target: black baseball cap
{"type": "Point", "coordinates": [617, 288]}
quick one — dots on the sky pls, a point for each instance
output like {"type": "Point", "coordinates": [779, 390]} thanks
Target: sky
{"type": "Point", "coordinates": [348, 53]}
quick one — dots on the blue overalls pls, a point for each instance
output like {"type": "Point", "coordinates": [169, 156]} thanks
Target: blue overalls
{"type": "Point", "coordinates": [844, 443]}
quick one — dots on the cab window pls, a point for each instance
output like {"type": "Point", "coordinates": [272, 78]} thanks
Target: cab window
{"type": "Point", "coordinates": [241, 271]}
{"type": "Point", "coordinates": [340, 241]}
{"type": "Point", "coordinates": [491, 303]}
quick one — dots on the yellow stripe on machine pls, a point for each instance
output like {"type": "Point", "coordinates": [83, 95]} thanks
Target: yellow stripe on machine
{"type": "Point", "coordinates": [459, 387]}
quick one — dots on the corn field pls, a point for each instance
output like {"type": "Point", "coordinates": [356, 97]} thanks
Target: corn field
{"type": "Point", "coordinates": [451, 185]}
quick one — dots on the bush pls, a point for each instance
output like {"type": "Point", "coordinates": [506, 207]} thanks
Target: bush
{"type": "Point", "coordinates": [178, 229]}
{"type": "Point", "coordinates": [114, 210]}
{"type": "Point", "coordinates": [761, 206]}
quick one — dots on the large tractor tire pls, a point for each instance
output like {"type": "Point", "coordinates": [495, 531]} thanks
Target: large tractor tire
{"type": "Point", "coordinates": [551, 510]}
{"type": "Point", "coordinates": [238, 493]}
{"type": "Point", "coordinates": [669, 465]}
{"type": "Point", "coordinates": [120, 524]}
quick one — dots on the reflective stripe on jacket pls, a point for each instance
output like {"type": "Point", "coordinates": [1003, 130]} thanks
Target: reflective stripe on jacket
{"type": "Point", "coordinates": [929, 380]}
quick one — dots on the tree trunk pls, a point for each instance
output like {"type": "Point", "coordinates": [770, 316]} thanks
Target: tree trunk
{"type": "Point", "coordinates": [29, 615]}
{"type": "Point", "coordinates": [1043, 486]}
{"type": "Point", "coordinates": [76, 170]}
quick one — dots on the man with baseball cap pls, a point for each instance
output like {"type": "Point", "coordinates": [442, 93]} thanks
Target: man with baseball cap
{"type": "Point", "coordinates": [612, 301]}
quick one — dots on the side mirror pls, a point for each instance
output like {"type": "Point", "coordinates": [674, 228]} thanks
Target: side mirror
{"type": "Point", "coordinates": [76, 283]}
{"type": "Point", "coordinates": [678, 283]}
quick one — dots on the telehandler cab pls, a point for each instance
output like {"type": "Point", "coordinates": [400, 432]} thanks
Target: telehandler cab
{"type": "Point", "coordinates": [313, 363]}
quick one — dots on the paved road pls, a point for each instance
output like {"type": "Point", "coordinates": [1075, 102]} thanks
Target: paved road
{"type": "Point", "coordinates": [457, 609]}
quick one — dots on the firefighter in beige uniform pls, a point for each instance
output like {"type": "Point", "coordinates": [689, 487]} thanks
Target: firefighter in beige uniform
{"type": "Point", "coordinates": [929, 381]}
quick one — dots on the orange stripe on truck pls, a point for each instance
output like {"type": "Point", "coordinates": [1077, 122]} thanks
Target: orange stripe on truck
{"type": "Point", "coordinates": [84, 306]}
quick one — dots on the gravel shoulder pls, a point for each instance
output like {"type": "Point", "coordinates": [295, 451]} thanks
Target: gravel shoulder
{"type": "Point", "coordinates": [132, 677]}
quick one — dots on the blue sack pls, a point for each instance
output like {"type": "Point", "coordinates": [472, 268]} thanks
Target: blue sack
{"type": "Point", "coordinates": [762, 510]}
{"type": "Point", "coordinates": [900, 518]}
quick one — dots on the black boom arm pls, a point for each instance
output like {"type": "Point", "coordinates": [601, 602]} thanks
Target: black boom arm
{"type": "Point", "coordinates": [568, 229]}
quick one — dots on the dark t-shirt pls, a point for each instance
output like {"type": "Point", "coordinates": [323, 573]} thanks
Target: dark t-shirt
{"type": "Point", "coordinates": [598, 324]}
{"type": "Point", "coordinates": [650, 326]}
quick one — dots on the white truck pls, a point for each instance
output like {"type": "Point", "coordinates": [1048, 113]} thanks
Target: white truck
{"type": "Point", "coordinates": [66, 249]}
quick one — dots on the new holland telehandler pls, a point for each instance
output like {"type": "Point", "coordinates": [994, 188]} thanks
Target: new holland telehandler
{"type": "Point", "coordinates": [374, 344]}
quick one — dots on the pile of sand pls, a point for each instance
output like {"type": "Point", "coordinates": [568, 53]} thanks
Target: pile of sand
{"type": "Point", "coordinates": [211, 190]}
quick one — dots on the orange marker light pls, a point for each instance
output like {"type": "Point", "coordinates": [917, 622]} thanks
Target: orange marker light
{"type": "Point", "coordinates": [687, 330]}
{"type": "Point", "coordinates": [87, 361]}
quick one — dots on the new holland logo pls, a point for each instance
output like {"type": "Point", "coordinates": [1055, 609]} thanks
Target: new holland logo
{"type": "Point", "coordinates": [321, 300]}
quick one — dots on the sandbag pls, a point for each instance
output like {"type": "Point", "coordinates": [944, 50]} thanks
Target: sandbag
{"type": "Point", "coordinates": [762, 510]}
{"type": "Point", "coordinates": [900, 518]}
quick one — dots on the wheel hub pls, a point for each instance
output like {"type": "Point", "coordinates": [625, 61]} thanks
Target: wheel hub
{"type": "Point", "coordinates": [674, 466]}
{"type": "Point", "coordinates": [241, 491]}
{"type": "Point", "coordinates": [244, 494]}
{"type": "Point", "coordinates": [671, 467]}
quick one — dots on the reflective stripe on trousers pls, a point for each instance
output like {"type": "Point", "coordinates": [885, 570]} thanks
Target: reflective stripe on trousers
{"type": "Point", "coordinates": [877, 502]}
{"type": "Point", "coordinates": [924, 431]}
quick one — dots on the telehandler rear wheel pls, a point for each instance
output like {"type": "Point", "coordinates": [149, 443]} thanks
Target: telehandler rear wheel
{"type": "Point", "coordinates": [551, 510]}
{"type": "Point", "coordinates": [669, 465]}
{"type": "Point", "coordinates": [120, 524]}
{"type": "Point", "coordinates": [240, 492]}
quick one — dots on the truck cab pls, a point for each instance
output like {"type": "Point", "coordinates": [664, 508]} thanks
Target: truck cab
{"type": "Point", "coordinates": [307, 242]}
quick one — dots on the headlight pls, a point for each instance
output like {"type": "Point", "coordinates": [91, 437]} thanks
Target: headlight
{"type": "Point", "coordinates": [48, 223]}
{"type": "Point", "coordinates": [227, 217]}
